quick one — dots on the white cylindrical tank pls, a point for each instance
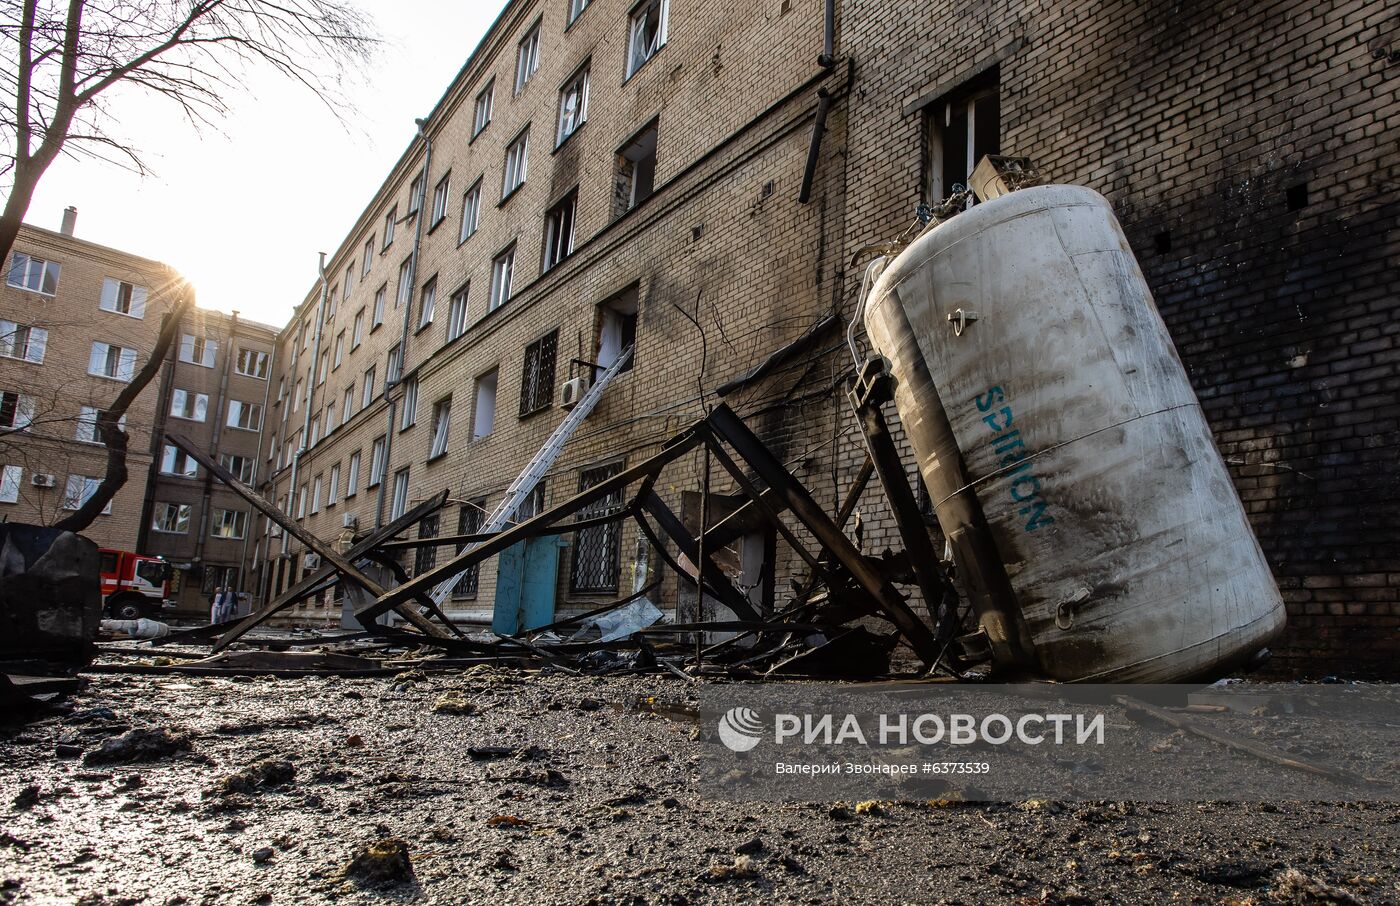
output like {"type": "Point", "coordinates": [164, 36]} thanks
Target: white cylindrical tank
{"type": "Point", "coordinates": [1023, 331]}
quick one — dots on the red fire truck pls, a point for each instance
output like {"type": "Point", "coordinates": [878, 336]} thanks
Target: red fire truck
{"type": "Point", "coordinates": [134, 586]}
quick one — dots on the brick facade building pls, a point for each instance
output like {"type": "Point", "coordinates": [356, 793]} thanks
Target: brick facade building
{"type": "Point", "coordinates": [77, 320]}
{"type": "Point", "coordinates": [605, 171]}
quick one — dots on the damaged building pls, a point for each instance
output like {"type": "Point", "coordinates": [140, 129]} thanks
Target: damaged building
{"type": "Point", "coordinates": [671, 197]}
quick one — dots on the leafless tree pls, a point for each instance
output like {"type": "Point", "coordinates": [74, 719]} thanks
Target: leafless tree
{"type": "Point", "coordinates": [63, 60]}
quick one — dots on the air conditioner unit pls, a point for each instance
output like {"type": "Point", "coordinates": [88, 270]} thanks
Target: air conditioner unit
{"type": "Point", "coordinates": [572, 391]}
{"type": "Point", "coordinates": [42, 480]}
{"type": "Point", "coordinates": [350, 520]}
{"type": "Point", "coordinates": [311, 561]}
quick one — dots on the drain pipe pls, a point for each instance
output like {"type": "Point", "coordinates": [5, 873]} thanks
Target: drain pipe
{"type": "Point", "coordinates": [310, 392]}
{"type": "Point", "coordinates": [407, 321]}
{"type": "Point", "coordinates": [814, 151]}
{"type": "Point", "coordinates": [828, 55]}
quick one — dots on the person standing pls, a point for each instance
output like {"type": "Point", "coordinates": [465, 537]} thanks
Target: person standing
{"type": "Point", "coordinates": [216, 606]}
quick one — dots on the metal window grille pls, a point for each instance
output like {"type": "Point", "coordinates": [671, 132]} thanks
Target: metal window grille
{"type": "Point", "coordinates": [427, 555]}
{"type": "Point", "coordinates": [597, 550]}
{"type": "Point", "coordinates": [537, 377]}
{"type": "Point", "coordinates": [469, 521]}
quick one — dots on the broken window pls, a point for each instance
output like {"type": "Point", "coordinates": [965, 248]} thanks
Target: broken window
{"type": "Point", "coordinates": [646, 33]}
{"type": "Point", "coordinates": [469, 521]}
{"type": "Point", "coordinates": [559, 231]}
{"type": "Point", "coordinates": [399, 506]}
{"type": "Point", "coordinates": [174, 461]}
{"type": "Point", "coordinates": [963, 126]}
{"type": "Point", "coordinates": [502, 270]}
{"type": "Point", "coordinates": [427, 303]}
{"type": "Point", "coordinates": [442, 424]}
{"type": "Point", "coordinates": [573, 105]}
{"type": "Point", "coordinates": [484, 412]}
{"type": "Point", "coordinates": [537, 376]}
{"type": "Point", "coordinates": [617, 328]}
{"type": "Point", "coordinates": [597, 549]}
{"type": "Point", "coordinates": [169, 518]}
{"type": "Point", "coordinates": [636, 171]}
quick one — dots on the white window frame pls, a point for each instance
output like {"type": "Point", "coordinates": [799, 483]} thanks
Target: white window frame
{"type": "Point", "coordinates": [442, 426]}
{"type": "Point", "coordinates": [368, 260]}
{"type": "Point", "coordinates": [576, 8]}
{"type": "Point", "coordinates": [573, 105]}
{"type": "Point", "coordinates": [33, 274]}
{"type": "Point", "coordinates": [117, 363]}
{"type": "Point", "coordinates": [405, 291]}
{"type": "Point", "coordinates": [199, 351]}
{"type": "Point", "coordinates": [377, 465]}
{"type": "Point", "coordinates": [239, 411]}
{"type": "Point", "coordinates": [352, 475]}
{"type": "Point", "coordinates": [502, 273]}
{"type": "Point", "coordinates": [347, 409]}
{"type": "Point", "coordinates": [471, 211]}
{"type": "Point", "coordinates": [390, 219]}
{"type": "Point", "coordinates": [10, 479]}
{"type": "Point", "coordinates": [23, 342]}
{"type": "Point", "coordinates": [367, 392]}
{"type": "Point", "coordinates": [357, 330]}
{"type": "Point", "coordinates": [229, 525]}
{"type": "Point", "coordinates": [408, 414]}
{"type": "Point", "coordinates": [23, 411]}
{"type": "Point", "coordinates": [399, 499]}
{"type": "Point", "coordinates": [517, 164]}
{"type": "Point", "coordinates": [230, 462]}
{"type": "Point", "coordinates": [559, 231]}
{"type": "Point", "coordinates": [427, 302]}
{"type": "Point", "coordinates": [481, 112]}
{"type": "Point", "coordinates": [527, 57]}
{"type": "Point", "coordinates": [179, 525]}
{"type": "Point", "coordinates": [377, 316]}
{"type": "Point", "coordinates": [637, 54]}
{"type": "Point", "coordinates": [180, 405]}
{"type": "Point", "coordinates": [259, 361]}
{"type": "Point", "coordinates": [113, 298]}
{"type": "Point", "coordinates": [441, 198]}
{"type": "Point", "coordinates": [457, 313]}
{"type": "Point", "coordinates": [484, 392]}
{"type": "Point", "coordinates": [333, 487]}
{"type": "Point", "coordinates": [177, 463]}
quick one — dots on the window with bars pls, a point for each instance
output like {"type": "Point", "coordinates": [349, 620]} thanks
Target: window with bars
{"type": "Point", "coordinates": [537, 376]}
{"type": "Point", "coordinates": [426, 556]}
{"type": "Point", "coordinates": [597, 549]}
{"type": "Point", "coordinates": [469, 521]}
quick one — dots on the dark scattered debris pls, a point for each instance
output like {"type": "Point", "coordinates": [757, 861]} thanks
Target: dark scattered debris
{"type": "Point", "coordinates": [270, 774]}
{"type": "Point", "coordinates": [137, 746]}
{"type": "Point", "coordinates": [380, 863]}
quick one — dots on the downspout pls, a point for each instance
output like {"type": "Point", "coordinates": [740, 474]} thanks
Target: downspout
{"type": "Point", "coordinates": [407, 323]}
{"type": "Point", "coordinates": [257, 458]}
{"type": "Point", "coordinates": [310, 392]}
{"type": "Point", "coordinates": [815, 149]}
{"type": "Point", "coordinates": [828, 54]}
{"type": "Point", "coordinates": [214, 443]}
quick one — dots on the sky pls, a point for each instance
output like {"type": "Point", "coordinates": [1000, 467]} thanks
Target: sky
{"type": "Point", "coordinates": [243, 209]}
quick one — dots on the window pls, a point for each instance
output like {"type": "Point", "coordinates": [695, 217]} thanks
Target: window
{"type": "Point", "coordinates": [442, 424]}
{"type": "Point", "coordinates": [576, 8]}
{"type": "Point", "coordinates": [9, 484]}
{"type": "Point", "coordinates": [573, 105]}
{"type": "Point", "coordinates": [393, 367]}
{"type": "Point", "coordinates": [296, 396]}
{"type": "Point", "coordinates": [174, 461]}
{"type": "Point", "coordinates": [247, 416]}
{"type": "Point", "coordinates": [517, 161]}
{"type": "Point", "coordinates": [378, 317]}
{"type": "Point", "coordinates": [324, 369]}
{"type": "Point", "coordinates": [33, 274]}
{"type": "Point", "coordinates": [457, 314]}
{"type": "Point", "coordinates": [427, 303]}
{"type": "Point", "coordinates": [330, 417]}
{"type": "Point", "coordinates": [87, 426]}
{"type": "Point", "coordinates": [339, 350]}
{"type": "Point", "coordinates": [484, 413]}
{"type": "Point", "coordinates": [272, 449]}
{"type": "Point", "coordinates": [405, 282]}
{"type": "Point", "coordinates": [315, 436]}
{"type": "Point", "coordinates": [502, 269]}
{"type": "Point", "coordinates": [198, 350]}
{"type": "Point", "coordinates": [229, 524]}
{"type": "Point", "coordinates": [123, 298]}
{"type": "Point", "coordinates": [559, 231]}
{"type": "Point", "coordinates": [389, 221]}
{"type": "Point", "coordinates": [481, 115]}
{"type": "Point", "coordinates": [367, 390]}
{"type": "Point", "coordinates": [408, 415]}
{"type": "Point", "coordinates": [170, 518]}
{"type": "Point", "coordinates": [537, 375]}
{"type": "Point", "coordinates": [415, 195]}
{"type": "Point", "coordinates": [357, 330]}
{"type": "Point", "coordinates": [440, 200]}
{"type": "Point", "coordinates": [597, 549]}
{"type": "Point", "coordinates": [425, 558]}
{"type": "Point", "coordinates": [113, 362]}
{"type": "Point", "coordinates": [191, 405]}
{"type": "Point", "coordinates": [241, 467]}
{"type": "Point", "coordinates": [349, 279]}
{"type": "Point", "coordinates": [469, 521]}
{"type": "Point", "coordinates": [301, 502]}
{"type": "Point", "coordinates": [471, 211]}
{"type": "Point", "coordinates": [333, 488]}
{"type": "Point", "coordinates": [617, 328]}
{"type": "Point", "coordinates": [17, 411]}
{"type": "Point", "coordinates": [962, 126]}
{"type": "Point", "coordinates": [330, 304]}
{"type": "Point", "coordinates": [527, 57]}
{"type": "Point", "coordinates": [19, 341]}
{"type": "Point", "coordinates": [636, 171]}
{"type": "Point", "coordinates": [347, 408]}
{"type": "Point", "coordinates": [352, 475]}
{"type": "Point", "coordinates": [400, 497]}
{"type": "Point", "coordinates": [368, 257]}
{"type": "Point", "coordinates": [316, 495]}
{"type": "Point", "coordinates": [252, 363]}
{"type": "Point", "coordinates": [646, 33]}
{"type": "Point", "coordinates": [216, 577]}
{"type": "Point", "coordinates": [376, 462]}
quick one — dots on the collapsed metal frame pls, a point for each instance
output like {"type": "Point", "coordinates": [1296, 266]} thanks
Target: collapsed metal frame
{"type": "Point", "coordinates": [855, 584]}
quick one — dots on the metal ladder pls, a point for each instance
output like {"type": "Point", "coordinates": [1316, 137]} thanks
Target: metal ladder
{"type": "Point", "coordinates": [530, 476]}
